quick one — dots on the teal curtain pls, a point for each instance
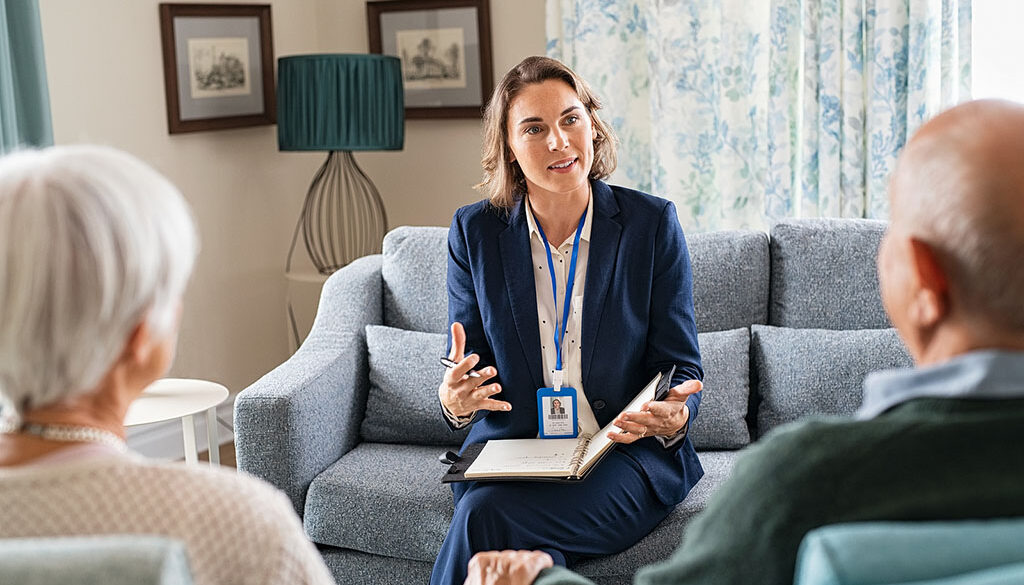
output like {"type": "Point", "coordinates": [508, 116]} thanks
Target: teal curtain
{"type": "Point", "coordinates": [24, 99]}
{"type": "Point", "coordinates": [744, 112]}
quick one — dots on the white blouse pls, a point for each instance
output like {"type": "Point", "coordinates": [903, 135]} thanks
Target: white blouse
{"type": "Point", "coordinates": [549, 316]}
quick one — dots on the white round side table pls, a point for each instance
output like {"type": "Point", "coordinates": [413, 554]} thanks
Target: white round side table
{"type": "Point", "coordinates": [172, 398]}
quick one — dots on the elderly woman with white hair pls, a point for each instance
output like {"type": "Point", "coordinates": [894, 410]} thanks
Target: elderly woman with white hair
{"type": "Point", "coordinates": [95, 251]}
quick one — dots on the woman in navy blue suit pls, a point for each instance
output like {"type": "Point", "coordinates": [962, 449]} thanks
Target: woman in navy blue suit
{"type": "Point", "coordinates": [559, 280]}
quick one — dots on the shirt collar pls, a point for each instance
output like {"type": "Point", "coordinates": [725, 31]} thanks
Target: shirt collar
{"type": "Point", "coordinates": [532, 221]}
{"type": "Point", "coordinates": [989, 374]}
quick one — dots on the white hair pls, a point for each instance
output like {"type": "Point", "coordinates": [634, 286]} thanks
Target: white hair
{"type": "Point", "coordinates": [92, 243]}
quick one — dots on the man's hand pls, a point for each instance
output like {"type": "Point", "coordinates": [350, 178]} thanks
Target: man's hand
{"type": "Point", "coordinates": [664, 418]}
{"type": "Point", "coordinates": [462, 394]}
{"type": "Point", "coordinates": [508, 567]}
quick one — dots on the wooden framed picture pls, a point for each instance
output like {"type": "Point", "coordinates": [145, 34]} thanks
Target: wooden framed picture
{"type": "Point", "coordinates": [445, 49]}
{"type": "Point", "coordinates": [218, 66]}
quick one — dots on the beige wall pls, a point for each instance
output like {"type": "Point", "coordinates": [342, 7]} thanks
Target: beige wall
{"type": "Point", "coordinates": [106, 86]}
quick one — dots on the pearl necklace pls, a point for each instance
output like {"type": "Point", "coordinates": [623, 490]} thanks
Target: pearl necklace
{"type": "Point", "coordinates": [74, 434]}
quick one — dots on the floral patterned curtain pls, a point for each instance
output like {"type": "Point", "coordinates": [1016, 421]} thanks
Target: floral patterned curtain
{"type": "Point", "coordinates": [745, 112]}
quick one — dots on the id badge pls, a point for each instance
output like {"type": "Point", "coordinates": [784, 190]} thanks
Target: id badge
{"type": "Point", "coordinates": [556, 413]}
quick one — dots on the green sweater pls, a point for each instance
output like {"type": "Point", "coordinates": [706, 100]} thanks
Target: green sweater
{"type": "Point", "coordinates": [927, 459]}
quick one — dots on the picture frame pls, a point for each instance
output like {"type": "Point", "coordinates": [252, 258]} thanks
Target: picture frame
{"type": "Point", "coordinates": [218, 66]}
{"type": "Point", "coordinates": [445, 49]}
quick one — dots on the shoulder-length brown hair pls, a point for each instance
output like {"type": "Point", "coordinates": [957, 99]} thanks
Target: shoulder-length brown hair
{"type": "Point", "coordinates": [504, 182]}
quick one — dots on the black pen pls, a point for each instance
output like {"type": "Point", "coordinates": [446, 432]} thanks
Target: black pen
{"type": "Point", "coordinates": [450, 364]}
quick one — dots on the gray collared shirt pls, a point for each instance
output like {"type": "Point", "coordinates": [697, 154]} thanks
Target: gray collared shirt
{"type": "Point", "coordinates": [988, 374]}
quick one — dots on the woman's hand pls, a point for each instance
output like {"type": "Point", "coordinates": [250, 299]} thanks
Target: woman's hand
{"type": "Point", "coordinates": [462, 394]}
{"type": "Point", "coordinates": [659, 417]}
{"type": "Point", "coordinates": [508, 567]}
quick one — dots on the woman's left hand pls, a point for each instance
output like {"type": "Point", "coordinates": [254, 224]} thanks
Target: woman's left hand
{"type": "Point", "coordinates": [658, 417]}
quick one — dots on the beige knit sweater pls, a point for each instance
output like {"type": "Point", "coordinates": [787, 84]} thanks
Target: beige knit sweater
{"type": "Point", "coordinates": [237, 529]}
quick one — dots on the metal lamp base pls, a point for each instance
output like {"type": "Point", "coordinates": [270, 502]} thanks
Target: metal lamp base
{"type": "Point", "coordinates": [343, 216]}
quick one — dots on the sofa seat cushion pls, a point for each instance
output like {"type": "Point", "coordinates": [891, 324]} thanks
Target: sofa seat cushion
{"type": "Point", "coordinates": [388, 500]}
{"type": "Point", "coordinates": [402, 404]}
{"type": "Point", "coordinates": [722, 420]}
{"type": "Point", "coordinates": [382, 499]}
{"type": "Point", "coordinates": [804, 372]}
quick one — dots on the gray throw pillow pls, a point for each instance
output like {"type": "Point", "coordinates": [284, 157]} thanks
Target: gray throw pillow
{"type": "Point", "coordinates": [402, 405]}
{"type": "Point", "coordinates": [722, 420]}
{"type": "Point", "coordinates": [804, 372]}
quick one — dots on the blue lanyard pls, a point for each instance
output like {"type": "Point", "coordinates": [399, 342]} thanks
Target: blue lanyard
{"type": "Point", "coordinates": [560, 331]}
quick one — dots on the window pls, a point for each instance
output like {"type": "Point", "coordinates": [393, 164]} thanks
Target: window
{"type": "Point", "coordinates": [997, 44]}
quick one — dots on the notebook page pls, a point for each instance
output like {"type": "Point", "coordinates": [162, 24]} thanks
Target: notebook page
{"type": "Point", "coordinates": [600, 441]}
{"type": "Point", "coordinates": [524, 457]}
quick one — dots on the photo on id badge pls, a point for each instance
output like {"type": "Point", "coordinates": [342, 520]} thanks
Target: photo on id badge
{"type": "Point", "coordinates": [557, 413]}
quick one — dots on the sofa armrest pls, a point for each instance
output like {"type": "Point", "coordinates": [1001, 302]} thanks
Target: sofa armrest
{"type": "Point", "coordinates": [301, 417]}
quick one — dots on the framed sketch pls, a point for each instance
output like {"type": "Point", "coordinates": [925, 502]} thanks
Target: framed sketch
{"type": "Point", "coordinates": [445, 49]}
{"type": "Point", "coordinates": [218, 66]}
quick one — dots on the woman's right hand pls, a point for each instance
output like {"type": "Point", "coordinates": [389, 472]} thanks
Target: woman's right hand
{"type": "Point", "coordinates": [462, 394]}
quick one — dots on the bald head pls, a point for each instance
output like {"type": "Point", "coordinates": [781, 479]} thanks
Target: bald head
{"type": "Point", "coordinates": [959, 187]}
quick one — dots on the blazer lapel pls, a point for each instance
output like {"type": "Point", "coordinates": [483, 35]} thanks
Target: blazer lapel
{"type": "Point", "coordinates": [517, 262]}
{"type": "Point", "coordinates": [604, 249]}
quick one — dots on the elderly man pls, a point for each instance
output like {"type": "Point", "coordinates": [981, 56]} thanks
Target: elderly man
{"type": "Point", "coordinates": [940, 441]}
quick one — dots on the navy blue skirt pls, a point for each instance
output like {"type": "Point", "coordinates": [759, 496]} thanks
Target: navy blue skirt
{"type": "Point", "coordinates": [606, 513]}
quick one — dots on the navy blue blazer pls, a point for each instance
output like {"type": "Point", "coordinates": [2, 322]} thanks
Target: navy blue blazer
{"type": "Point", "coordinates": [637, 318]}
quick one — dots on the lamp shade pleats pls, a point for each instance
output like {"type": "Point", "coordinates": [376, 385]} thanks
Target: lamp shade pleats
{"type": "Point", "coordinates": [340, 102]}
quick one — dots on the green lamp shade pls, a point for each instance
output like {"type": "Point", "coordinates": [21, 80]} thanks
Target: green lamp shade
{"type": "Point", "coordinates": [340, 102]}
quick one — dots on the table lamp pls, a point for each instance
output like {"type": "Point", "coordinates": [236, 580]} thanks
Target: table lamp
{"type": "Point", "coordinates": [340, 103]}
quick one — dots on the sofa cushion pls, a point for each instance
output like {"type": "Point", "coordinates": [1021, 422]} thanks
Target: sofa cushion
{"type": "Point", "coordinates": [817, 371]}
{"type": "Point", "coordinates": [730, 279]}
{"type": "Point", "coordinates": [389, 500]}
{"type": "Point", "coordinates": [722, 420]}
{"type": "Point", "coordinates": [923, 553]}
{"type": "Point", "coordinates": [404, 379]}
{"type": "Point", "coordinates": [415, 270]}
{"type": "Point", "coordinates": [382, 499]}
{"type": "Point", "coordinates": [402, 405]}
{"type": "Point", "coordinates": [824, 275]}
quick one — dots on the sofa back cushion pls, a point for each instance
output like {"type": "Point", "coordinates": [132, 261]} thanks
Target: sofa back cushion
{"type": "Point", "coordinates": [402, 405]}
{"type": "Point", "coordinates": [730, 279]}
{"type": "Point", "coordinates": [722, 420]}
{"type": "Point", "coordinates": [824, 275]}
{"type": "Point", "coordinates": [801, 372]}
{"type": "Point", "coordinates": [414, 269]}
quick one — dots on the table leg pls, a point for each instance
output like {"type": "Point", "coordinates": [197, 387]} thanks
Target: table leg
{"type": "Point", "coordinates": [211, 435]}
{"type": "Point", "coordinates": [188, 429]}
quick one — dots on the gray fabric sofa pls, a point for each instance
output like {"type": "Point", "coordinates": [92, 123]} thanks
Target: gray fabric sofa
{"type": "Point", "coordinates": [349, 426]}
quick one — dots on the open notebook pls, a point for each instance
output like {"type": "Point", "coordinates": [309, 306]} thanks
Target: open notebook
{"type": "Point", "coordinates": [547, 459]}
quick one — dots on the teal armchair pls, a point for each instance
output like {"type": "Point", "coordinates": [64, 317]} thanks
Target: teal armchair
{"type": "Point", "coordinates": [983, 552]}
